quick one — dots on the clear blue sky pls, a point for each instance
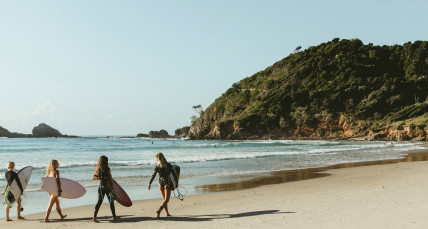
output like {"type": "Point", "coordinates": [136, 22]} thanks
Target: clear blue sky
{"type": "Point", "coordinates": [127, 67]}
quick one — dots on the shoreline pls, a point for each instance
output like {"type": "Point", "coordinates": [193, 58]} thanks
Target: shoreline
{"type": "Point", "coordinates": [227, 202]}
{"type": "Point", "coordinates": [284, 176]}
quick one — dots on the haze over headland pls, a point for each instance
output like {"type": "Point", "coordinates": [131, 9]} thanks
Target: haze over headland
{"type": "Point", "coordinates": [128, 67]}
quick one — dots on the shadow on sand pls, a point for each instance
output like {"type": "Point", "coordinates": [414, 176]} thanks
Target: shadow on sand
{"type": "Point", "coordinates": [202, 218]}
{"type": "Point", "coordinates": [83, 219]}
{"type": "Point", "coordinates": [186, 218]}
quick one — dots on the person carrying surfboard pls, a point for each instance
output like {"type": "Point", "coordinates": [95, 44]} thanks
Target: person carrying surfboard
{"type": "Point", "coordinates": [10, 176]}
{"type": "Point", "coordinates": [52, 171]}
{"type": "Point", "coordinates": [164, 169]}
{"type": "Point", "coordinates": [103, 173]}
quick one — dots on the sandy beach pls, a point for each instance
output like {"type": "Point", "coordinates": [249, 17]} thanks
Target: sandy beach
{"type": "Point", "coordinates": [388, 195]}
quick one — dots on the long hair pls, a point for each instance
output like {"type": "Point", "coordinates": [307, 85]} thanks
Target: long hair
{"type": "Point", "coordinates": [162, 162]}
{"type": "Point", "coordinates": [51, 167]}
{"type": "Point", "coordinates": [102, 164]}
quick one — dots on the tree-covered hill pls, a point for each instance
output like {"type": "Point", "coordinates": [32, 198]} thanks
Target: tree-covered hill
{"type": "Point", "coordinates": [337, 89]}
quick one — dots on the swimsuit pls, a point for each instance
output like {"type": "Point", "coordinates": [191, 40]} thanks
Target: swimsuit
{"type": "Point", "coordinates": [163, 175]}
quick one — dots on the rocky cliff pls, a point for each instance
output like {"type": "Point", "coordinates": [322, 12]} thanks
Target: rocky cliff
{"type": "Point", "coordinates": [338, 89]}
{"type": "Point", "coordinates": [182, 132]}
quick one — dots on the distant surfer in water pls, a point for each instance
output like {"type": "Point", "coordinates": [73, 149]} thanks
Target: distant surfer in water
{"type": "Point", "coordinates": [102, 173]}
{"type": "Point", "coordinates": [52, 171]}
{"type": "Point", "coordinates": [164, 169]}
{"type": "Point", "coordinates": [10, 176]}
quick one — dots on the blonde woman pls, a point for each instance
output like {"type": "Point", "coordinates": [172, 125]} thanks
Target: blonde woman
{"type": "Point", "coordinates": [103, 173]}
{"type": "Point", "coordinates": [52, 171]}
{"type": "Point", "coordinates": [164, 169]}
{"type": "Point", "coordinates": [10, 176]}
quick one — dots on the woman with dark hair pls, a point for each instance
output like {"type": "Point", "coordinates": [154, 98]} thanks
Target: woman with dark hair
{"type": "Point", "coordinates": [103, 173]}
{"type": "Point", "coordinates": [164, 169]}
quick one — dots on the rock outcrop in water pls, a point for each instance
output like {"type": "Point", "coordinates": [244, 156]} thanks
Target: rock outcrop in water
{"type": "Point", "coordinates": [179, 133]}
{"type": "Point", "coordinates": [141, 135]}
{"type": "Point", "coordinates": [40, 131]}
{"type": "Point", "coordinates": [6, 133]}
{"type": "Point", "coordinates": [44, 131]}
{"type": "Point", "coordinates": [159, 134]}
{"type": "Point", "coordinates": [339, 89]}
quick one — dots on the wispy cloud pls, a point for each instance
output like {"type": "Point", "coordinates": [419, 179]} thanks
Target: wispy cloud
{"type": "Point", "coordinates": [19, 120]}
{"type": "Point", "coordinates": [44, 108]}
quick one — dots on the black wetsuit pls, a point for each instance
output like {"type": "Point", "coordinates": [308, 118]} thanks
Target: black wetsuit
{"type": "Point", "coordinates": [10, 177]}
{"type": "Point", "coordinates": [105, 188]}
{"type": "Point", "coordinates": [163, 175]}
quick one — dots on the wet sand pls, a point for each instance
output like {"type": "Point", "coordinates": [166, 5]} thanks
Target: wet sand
{"type": "Point", "coordinates": [382, 194]}
{"type": "Point", "coordinates": [277, 177]}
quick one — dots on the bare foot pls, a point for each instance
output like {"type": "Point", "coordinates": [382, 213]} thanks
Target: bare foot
{"type": "Point", "coordinates": [9, 220]}
{"type": "Point", "coordinates": [20, 217]}
{"type": "Point", "coordinates": [95, 220]}
{"type": "Point", "coordinates": [63, 217]}
{"type": "Point", "coordinates": [158, 212]}
{"type": "Point", "coordinates": [116, 218]}
{"type": "Point", "coordinates": [167, 214]}
{"type": "Point", "coordinates": [47, 221]}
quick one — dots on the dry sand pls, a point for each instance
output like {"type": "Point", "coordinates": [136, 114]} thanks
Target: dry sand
{"type": "Point", "coordinates": [376, 196]}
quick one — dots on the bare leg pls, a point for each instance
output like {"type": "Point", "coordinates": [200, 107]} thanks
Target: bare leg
{"type": "Point", "coordinates": [7, 214]}
{"type": "Point", "coordinates": [166, 196]}
{"type": "Point", "coordinates": [166, 193]}
{"type": "Point", "coordinates": [166, 200]}
{"type": "Point", "coordinates": [18, 208]}
{"type": "Point", "coordinates": [58, 209]}
{"type": "Point", "coordinates": [48, 211]}
{"type": "Point", "coordinates": [163, 195]}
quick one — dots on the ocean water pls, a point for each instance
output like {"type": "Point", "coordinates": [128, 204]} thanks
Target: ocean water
{"type": "Point", "coordinates": [132, 161]}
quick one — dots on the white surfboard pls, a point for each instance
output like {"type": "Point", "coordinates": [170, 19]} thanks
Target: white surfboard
{"type": "Point", "coordinates": [70, 189]}
{"type": "Point", "coordinates": [13, 192]}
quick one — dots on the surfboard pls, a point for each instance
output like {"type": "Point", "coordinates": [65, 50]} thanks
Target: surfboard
{"type": "Point", "coordinates": [13, 192]}
{"type": "Point", "coordinates": [121, 196]}
{"type": "Point", "coordinates": [70, 188]}
{"type": "Point", "coordinates": [174, 176]}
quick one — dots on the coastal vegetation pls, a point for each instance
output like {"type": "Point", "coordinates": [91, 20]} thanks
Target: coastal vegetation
{"type": "Point", "coordinates": [338, 89]}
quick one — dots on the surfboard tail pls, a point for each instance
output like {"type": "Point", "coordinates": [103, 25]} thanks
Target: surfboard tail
{"type": "Point", "coordinates": [9, 198]}
{"type": "Point", "coordinates": [174, 176]}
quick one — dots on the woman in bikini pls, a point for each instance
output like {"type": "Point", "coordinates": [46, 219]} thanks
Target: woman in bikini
{"type": "Point", "coordinates": [53, 172]}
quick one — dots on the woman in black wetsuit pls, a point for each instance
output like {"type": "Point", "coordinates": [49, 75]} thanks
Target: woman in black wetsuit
{"type": "Point", "coordinates": [10, 176]}
{"type": "Point", "coordinates": [102, 173]}
{"type": "Point", "coordinates": [164, 169]}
